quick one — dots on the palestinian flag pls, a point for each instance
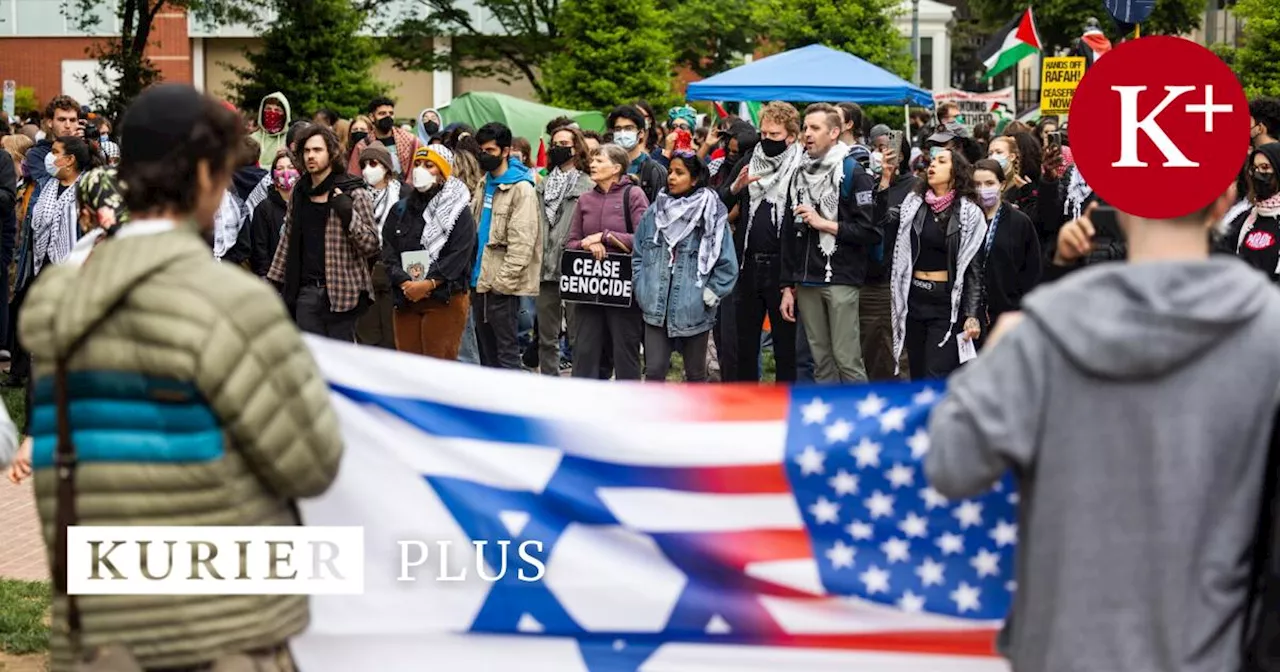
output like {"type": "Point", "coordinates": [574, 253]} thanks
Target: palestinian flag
{"type": "Point", "coordinates": [1017, 40]}
{"type": "Point", "coordinates": [749, 111]}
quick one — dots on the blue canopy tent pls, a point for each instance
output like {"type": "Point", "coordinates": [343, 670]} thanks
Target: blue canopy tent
{"type": "Point", "coordinates": [811, 74]}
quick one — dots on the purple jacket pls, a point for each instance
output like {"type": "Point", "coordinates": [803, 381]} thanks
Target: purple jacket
{"type": "Point", "coordinates": [598, 211]}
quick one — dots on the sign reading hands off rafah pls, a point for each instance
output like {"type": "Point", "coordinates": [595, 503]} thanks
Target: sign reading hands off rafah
{"type": "Point", "coordinates": [694, 527]}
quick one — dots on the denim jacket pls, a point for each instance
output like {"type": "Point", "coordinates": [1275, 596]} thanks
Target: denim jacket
{"type": "Point", "coordinates": [669, 295]}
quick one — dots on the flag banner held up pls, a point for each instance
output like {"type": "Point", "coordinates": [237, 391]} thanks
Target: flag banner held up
{"type": "Point", "coordinates": [696, 527]}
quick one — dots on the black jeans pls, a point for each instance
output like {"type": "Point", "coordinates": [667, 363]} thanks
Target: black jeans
{"type": "Point", "coordinates": [726, 334]}
{"type": "Point", "coordinates": [497, 329]}
{"type": "Point", "coordinates": [759, 293]}
{"type": "Point", "coordinates": [314, 315]}
{"type": "Point", "coordinates": [928, 318]}
{"type": "Point", "coordinates": [600, 330]}
{"type": "Point", "coordinates": [19, 358]}
{"type": "Point", "coordinates": [658, 347]}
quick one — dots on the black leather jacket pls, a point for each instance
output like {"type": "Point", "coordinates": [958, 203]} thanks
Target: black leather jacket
{"type": "Point", "coordinates": [971, 301]}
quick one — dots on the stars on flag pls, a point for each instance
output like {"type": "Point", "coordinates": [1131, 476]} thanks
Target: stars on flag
{"type": "Point", "coordinates": [879, 531]}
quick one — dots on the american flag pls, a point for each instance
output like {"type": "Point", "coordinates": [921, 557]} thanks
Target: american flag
{"type": "Point", "coordinates": [700, 527]}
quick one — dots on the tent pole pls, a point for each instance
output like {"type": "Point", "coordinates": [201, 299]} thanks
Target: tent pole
{"type": "Point", "coordinates": [906, 118]}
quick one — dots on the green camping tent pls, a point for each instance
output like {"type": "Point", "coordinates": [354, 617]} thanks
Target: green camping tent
{"type": "Point", "coordinates": [526, 119]}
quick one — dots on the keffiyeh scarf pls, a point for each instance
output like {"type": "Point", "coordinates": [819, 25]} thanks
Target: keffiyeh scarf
{"type": "Point", "coordinates": [55, 223]}
{"type": "Point", "coordinates": [973, 234]}
{"type": "Point", "coordinates": [676, 218]}
{"type": "Point", "coordinates": [227, 222]}
{"type": "Point", "coordinates": [559, 183]}
{"type": "Point", "coordinates": [382, 202]}
{"type": "Point", "coordinates": [775, 175]}
{"type": "Point", "coordinates": [817, 184]}
{"type": "Point", "coordinates": [1078, 191]}
{"type": "Point", "coordinates": [440, 215]}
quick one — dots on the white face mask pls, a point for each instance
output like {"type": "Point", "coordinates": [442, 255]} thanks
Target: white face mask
{"type": "Point", "coordinates": [877, 162]}
{"type": "Point", "coordinates": [626, 139]}
{"type": "Point", "coordinates": [423, 179]}
{"type": "Point", "coordinates": [373, 175]}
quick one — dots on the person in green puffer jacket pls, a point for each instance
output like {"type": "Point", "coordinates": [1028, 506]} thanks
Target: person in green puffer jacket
{"type": "Point", "coordinates": [194, 399]}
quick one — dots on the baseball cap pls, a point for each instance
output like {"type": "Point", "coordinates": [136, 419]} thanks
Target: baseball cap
{"type": "Point", "coordinates": [948, 132]}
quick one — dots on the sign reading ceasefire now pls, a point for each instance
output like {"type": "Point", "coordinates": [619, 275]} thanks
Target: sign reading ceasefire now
{"type": "Point", "coordinates": [1058, 81]}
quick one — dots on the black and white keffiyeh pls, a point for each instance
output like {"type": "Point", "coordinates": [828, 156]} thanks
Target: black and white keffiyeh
{"type": "Point", "coordinates": [1078, 191]}
{"type": "Point", "coordinates": [382, 202]}
{"type": "Point", "coordinates": [776, 174]}
{"type": "Point", "coordinates": [441, 214]}
{"type": "Point", "coordinates": [817, 184]}
{"type": "Point", "coordinates": [259, 193]}
{"type": "Point", "coordinates": [55, 223]}
{"type": "Point", "coordinates": [973, 235]}
{"type": "Point", "coordinates": [675, 218]}
{"type": "Point", "coordinates": [559, 183]}
{"type": "Point", "coordinates": [227, 222]}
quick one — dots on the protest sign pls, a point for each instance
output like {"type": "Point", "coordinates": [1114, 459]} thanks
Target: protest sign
{"type": "Point", "coordinates": [585, 279]}
{"type": "Point", "coordinates": [1058, 81]}
{"type": "Point", "coordinates": [978, 107]}
{"type": "Point", "coordinates": [10, 97]}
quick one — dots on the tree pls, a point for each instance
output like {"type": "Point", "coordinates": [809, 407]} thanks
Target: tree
{"type": "Point", "coordinates": [613, 51]}
{"type": "Point", "coordinates": [122, 58]}
{"type": "Point", "coordinates": [864, 28]}
{"type": "Point", "coordinates": [1257, 61]}
{"type": "Point", "coordinates": [1061, 22]}
{"type": "Point", "coordinates": [526, 34]}
{"type": "Point", "coordinates": [314, 54]}
{"type": "Point", "coordinates": [710, 36]}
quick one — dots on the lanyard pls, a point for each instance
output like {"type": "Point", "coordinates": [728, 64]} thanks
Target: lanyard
{"type": "Point", "coordinates": [991, 230]}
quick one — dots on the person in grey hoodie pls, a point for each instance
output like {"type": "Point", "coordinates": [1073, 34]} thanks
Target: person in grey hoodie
{"type": "Point", "coordinates": [1135, 402]}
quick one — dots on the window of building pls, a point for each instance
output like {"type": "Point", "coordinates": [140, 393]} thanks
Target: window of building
{"type": "Point", "coordinates": [38, 18]}
{"type": "Point", "coordinates": [926, 62]}
{"type": "Point", "coordinates": [6, 17]}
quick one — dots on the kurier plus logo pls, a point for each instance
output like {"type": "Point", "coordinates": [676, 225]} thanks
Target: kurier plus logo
{"type": "Point", "coordinates": [1159, 127]}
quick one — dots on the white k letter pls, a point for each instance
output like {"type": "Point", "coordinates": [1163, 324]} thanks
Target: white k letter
{"type": "Point", "coordinates": [1129, 127]}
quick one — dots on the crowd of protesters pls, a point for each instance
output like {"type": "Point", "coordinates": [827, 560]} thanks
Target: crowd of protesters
{"type": "Point", "coordinates": [853, 251]}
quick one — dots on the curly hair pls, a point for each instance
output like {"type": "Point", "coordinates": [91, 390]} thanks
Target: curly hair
{"type": "Point", "coordinates": [1266, 111]}
{"type": "Point", "coordinates": [330, 143]}
{"type": "Point", "coordinates": [961, 177]}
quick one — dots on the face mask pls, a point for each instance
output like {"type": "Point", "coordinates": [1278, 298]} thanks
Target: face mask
{"type": "Point", "coordinates": [273, 120]}
{"type": "Point", "coordinates": [772, 148]}
{"type": "Point", "coordinates": [1002, 160]}
{"type": "Point", "coordinates": [431, 127]}
{"type": "Point", "coordinates": [1264, 185]}
{"type": "Point", "coordinates": [286, 178]}
{"type": "Point", "coordinates": [104, 138]}
{"type": "Point", "coordinates": [384, 124]}
{"type": "Point", "coordinates": [51, 164]}
{"type": "Point", "coordinates": [358, 137]}
{"type": "Point", "coordinates": [988, 196]}
{"type": "Point", "coordinates": [558, 156]}
{"type": "Point", "coordinates": [373, 175]}
{"type": "Point", "coordinates": [423, 179]}
{"type": "Point", "coordinates": [877, 162]}
{"type": "Point", "coordinates": [626, 139]}
{"type": "Point", "coordinates": [490, 163]}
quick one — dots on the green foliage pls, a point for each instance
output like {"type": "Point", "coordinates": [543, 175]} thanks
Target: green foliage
{"type": "Point", "coordinates": [23, 606]}
{"type": "Point", "coordinates": [526, 34]}
{"type": "Point", "coordinates": [863, 28]}
{"type": "Point", "coordinates": [123, 64]}
{"type": "Point", "coordinates": [615, 51]}
{"type": "Point", "coordinates": [24, 101]}
{"type": "Point", "coordinates": [1061, 22]}
{"type": "Point", "coordinates": [710, 36]}
{"type": "Point", "coordinates": [1257, 61]}
{"type": "Point", "coordinates": [314, 54]}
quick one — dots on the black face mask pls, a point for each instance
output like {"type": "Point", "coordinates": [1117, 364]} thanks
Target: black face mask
{"type": "Point", "coordinates": [558, 156]}
{"type": "Point", "coordinates": [1264, 185]}
{"type": "Point", "coordinates": [431, 127]}
{"type": "Point", "coordinates": [489, 162]}
{"type": "Point", "coordinates": [358, 137]}
{"type": "Point", "coordinates": [730, 159]}
{"type": "Point", "coordinates": [772, 148]}
{"type": "Point", "coordinates": [384, 124]}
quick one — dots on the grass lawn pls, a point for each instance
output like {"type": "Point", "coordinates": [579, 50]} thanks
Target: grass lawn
{"type": "Point", "coordinates": [16, 401]}
{"type": "Point", "coordinates": [24, 606]}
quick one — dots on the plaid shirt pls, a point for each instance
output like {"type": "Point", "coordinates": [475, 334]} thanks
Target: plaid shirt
{"type": "Point", "coordinates": [346, 273]}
